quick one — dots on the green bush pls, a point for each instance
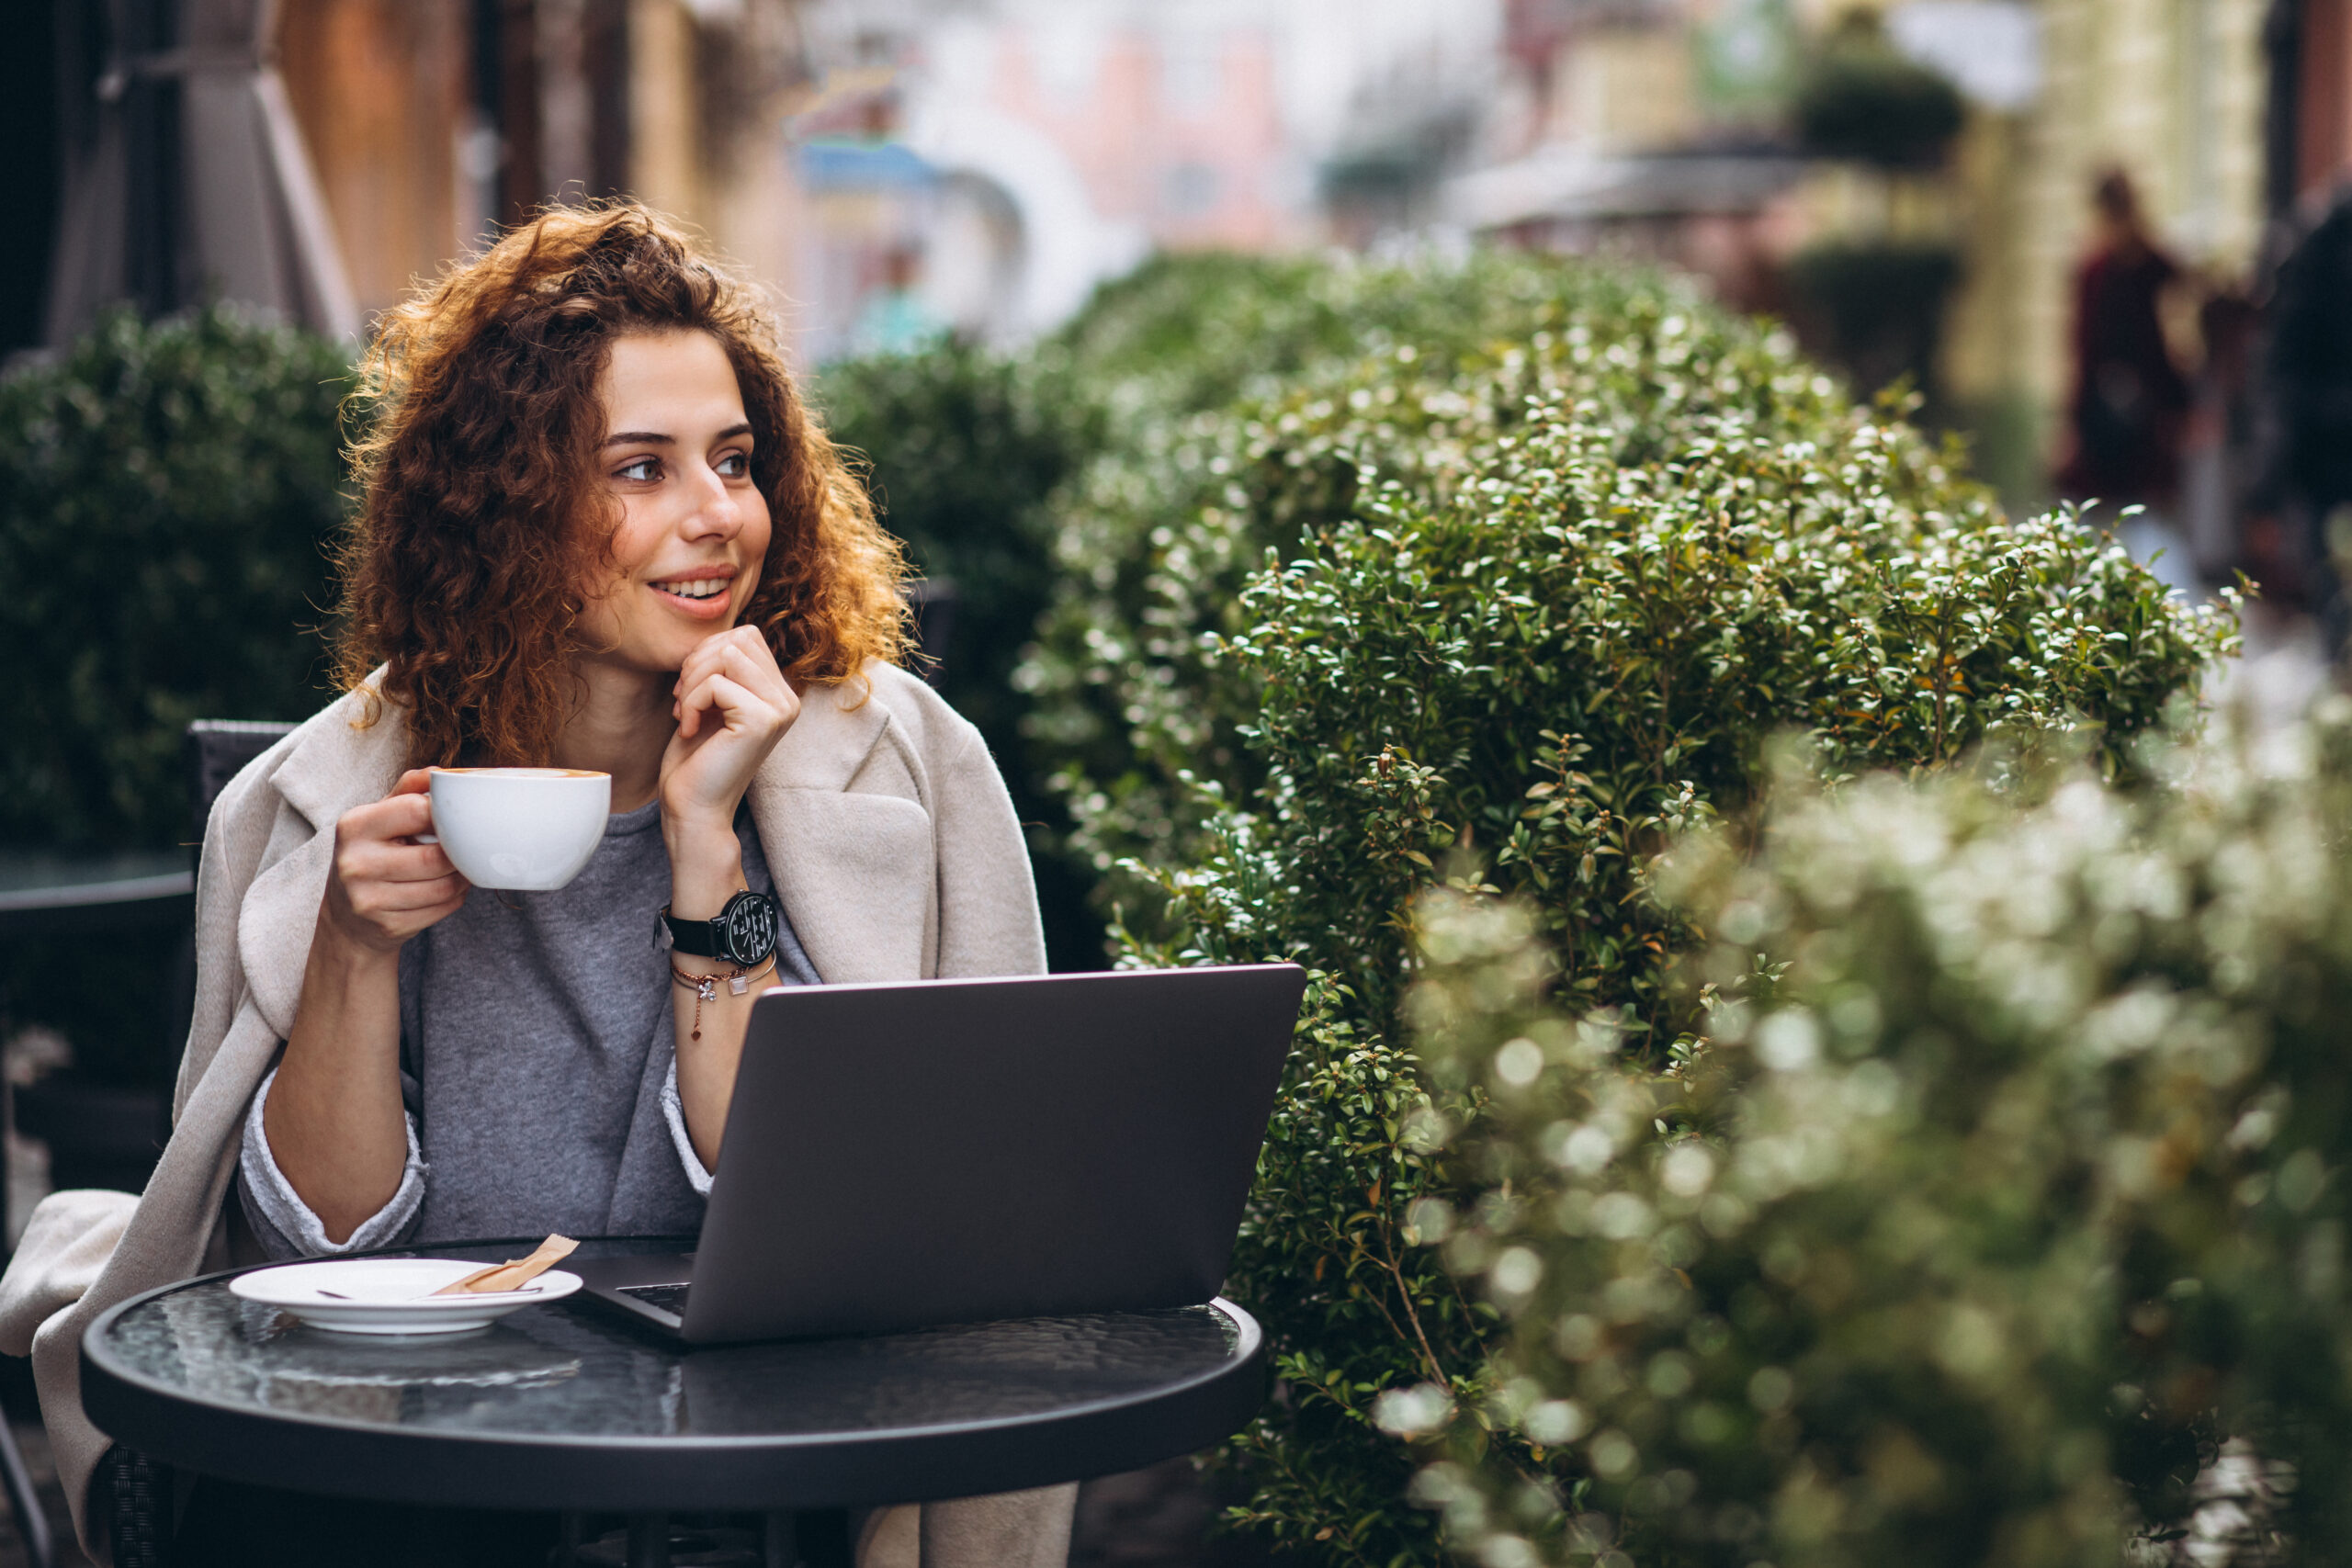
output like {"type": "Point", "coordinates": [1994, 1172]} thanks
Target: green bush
{"type": "Point", "coordinates": [1134, 700]}
{"type": "Point", "coordinates": [1876, 310]}
{"type": "Point", "coordinates": [168, 494]}
{"type": "Point", "coordinates": [1192, 333]}
{"type": "Point", "coordinates": [2004, 1187]}
{"type": "Point", "coordinates": [1157, 535]}
{"type": "Point", "coordinates": [964, 448]}
{"type": "Point", "coordinates": [993, 470]}
{"type": "Point", "coordinates": [1858, 98]}
{"type": "Point", "coordinates": [1521, 663]}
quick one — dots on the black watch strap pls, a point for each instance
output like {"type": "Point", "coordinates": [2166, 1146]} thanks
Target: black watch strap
{"type": "Point", "coordinates": [744, 932]}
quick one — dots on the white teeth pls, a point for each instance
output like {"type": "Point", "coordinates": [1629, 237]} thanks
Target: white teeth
{"type": "Point", "coordinates": [705, 588]}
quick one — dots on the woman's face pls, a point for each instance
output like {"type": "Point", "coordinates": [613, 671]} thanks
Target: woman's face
{"type": "Point", "coordinates": [694, 528]}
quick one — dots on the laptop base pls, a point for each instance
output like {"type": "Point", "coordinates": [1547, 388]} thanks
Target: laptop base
{"type": "Point", "coordinates": [649, 1289]}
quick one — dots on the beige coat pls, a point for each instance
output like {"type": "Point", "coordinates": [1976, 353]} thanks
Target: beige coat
{"type": "Point", "coordinates": [891, 840]}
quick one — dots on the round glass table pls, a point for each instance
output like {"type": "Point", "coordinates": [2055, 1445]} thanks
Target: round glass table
{"type": "Point", "coordinates": [561, 1407]}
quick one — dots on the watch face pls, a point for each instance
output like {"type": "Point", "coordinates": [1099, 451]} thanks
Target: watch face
{"type": "Point", "coordinates": [749, 924]}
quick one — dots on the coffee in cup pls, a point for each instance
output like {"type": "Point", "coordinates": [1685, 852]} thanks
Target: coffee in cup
{"type": "Point", "coordinates": [524, 829]}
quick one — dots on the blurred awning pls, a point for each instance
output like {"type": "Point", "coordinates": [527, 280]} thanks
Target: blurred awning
{"type": "Point", "coordinates": [1574, 184]}
{"type": "Point", "coordinates": [836, 164]}
{"type": "Point", "coordinates": [193, 183]}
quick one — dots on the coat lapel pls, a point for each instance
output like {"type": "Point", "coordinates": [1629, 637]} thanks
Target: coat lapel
{"type": "Point", "coordinates": [853, 868]}
{"type": "Point", "coordinates": [332, 769]}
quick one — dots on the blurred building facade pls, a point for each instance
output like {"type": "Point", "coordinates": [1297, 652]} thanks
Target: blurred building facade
{"type": "Point", "coordinates": [431, 121]}
{"type": "Point", "coordinates": [897, 168]}
{"type": "Point", "coordinates": [981, 167]}
{"type": "Point", "coordinates": [1645, 129]}
{"type": "Point", "coordinates": [1663, 128]}
{"type": "Point", "coordinates": [2171, 92]}
{"type": "Point", "coordinates": [317, 157]}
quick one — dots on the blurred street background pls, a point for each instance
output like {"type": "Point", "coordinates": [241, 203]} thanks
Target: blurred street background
{"type": "Point", "coordinates": [2106, 245]}
{"type": "Point", "coordinates": [1909, 183]}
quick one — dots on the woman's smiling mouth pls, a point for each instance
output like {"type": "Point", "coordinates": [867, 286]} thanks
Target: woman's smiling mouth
{"type": "Point", "coordinates": [703, 597]}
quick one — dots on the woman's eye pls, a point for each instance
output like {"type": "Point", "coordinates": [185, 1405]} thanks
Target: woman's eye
{"type": "Point", "coordinates": [646, 468]}
{"type": "Point", "coordinates": [734, 465]}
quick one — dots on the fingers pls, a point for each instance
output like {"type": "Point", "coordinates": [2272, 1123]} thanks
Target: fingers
{"type": "Point", "coordinates": [708, 660]}
{"type": "Point", "coordinates": [743, 655]}
{"type": "Point", "coordinates": [732, 704]}
{"type": "Point", "coordinates": [387, 886]}
{"type": "Point", "coordinates": [383, 861]}
{"type": "Point", "coordinates": [725, 730]}
{"type": "Point", "coordinates": [729, 703]}
{"type": "Point", "coordinates": [381, 912]}
{"type": "Point", "coordinates": [403, 814]}
{"type": "Point", "coordinates": [392, 906]}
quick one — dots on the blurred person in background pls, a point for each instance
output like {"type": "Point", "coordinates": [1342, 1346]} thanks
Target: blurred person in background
{"type": "Point", "coordinates": [895, 320]}
{"type": "Point", "coordinates": [2129, 401]}
{"type": "Point", "coordinates": [2305, 478]}
{"type": "Point", "coordinates": [2219, 435]}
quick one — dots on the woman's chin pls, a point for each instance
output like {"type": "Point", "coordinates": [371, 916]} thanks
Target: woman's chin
{"type": "Point", "coordinates": [653, 646]}
{"type": "Point", "coordinates": [662, 660]}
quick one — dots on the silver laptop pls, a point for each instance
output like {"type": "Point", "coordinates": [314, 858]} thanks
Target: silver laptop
{"type": "Point", "coordinates": [948, 1151]}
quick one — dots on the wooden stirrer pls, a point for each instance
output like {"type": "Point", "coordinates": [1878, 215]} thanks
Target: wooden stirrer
{"type": "Point", "coordinates": [515, 1274]}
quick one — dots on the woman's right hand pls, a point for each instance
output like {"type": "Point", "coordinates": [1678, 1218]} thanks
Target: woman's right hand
{"type": "Point", "coordinates": [386, 887]}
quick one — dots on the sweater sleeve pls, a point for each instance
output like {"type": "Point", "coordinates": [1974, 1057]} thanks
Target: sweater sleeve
{"type": "Point", "coordinates": [284, 1225]}
{"type": "Point", "coordinates": [674, 1111]}
{"type": "Point", "coordinates": [989, 923]}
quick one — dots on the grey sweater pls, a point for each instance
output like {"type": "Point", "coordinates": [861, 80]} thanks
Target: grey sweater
{"type": "Point", "coordinates": [538, 1066]}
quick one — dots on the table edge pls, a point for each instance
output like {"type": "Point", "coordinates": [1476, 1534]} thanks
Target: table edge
{"type": "Point", "coordinates": [110, 1382]}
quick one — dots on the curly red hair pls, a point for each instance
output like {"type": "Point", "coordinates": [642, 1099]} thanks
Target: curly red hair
{"type": "Point", "coordinates": [483, 517]}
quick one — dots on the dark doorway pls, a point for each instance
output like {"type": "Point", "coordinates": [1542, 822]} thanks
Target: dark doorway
{"type": "Point", "coordinates": [31, 71]}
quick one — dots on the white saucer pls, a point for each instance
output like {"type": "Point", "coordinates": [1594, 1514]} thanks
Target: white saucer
{"type": "Point", "coordinates": [391, 1295]}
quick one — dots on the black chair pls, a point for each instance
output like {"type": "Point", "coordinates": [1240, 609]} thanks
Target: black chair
{"type": "Point", "coordinates": [106, 1134]}
{"type": "Point", "coordinates": [934, 603]}
{"type": "Point", "coordinates": [215, 750]}
{"type": "Point", "coordinates": [138, 1494]}
{"type": "Point", "coordinates": [115, 1142]}
{"type": "Point", "coordinates": [24, 1505]}
{"type": "Point", "coordinates": [134, 1492]}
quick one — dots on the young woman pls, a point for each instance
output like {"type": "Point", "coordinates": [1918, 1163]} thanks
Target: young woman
{"type": "Point", "coordinates": [599, 531]}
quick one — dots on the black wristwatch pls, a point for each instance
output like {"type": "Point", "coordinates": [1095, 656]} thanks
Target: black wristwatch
{"type": "Point", "coordinates": [744, 933]}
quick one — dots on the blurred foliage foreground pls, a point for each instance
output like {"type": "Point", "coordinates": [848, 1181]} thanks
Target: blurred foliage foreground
{"type": "Point", "coordinates": [2003, 1184]}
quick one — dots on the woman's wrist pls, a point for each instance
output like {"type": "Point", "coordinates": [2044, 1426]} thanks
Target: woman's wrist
{"type": "Point", "coordinates": [705, 869]}
{"type": "Point", "coordinates": [352, 945]}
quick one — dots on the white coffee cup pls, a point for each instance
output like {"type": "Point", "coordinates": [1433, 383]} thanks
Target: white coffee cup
{"type": "Point", "coordinates": [525, 830]}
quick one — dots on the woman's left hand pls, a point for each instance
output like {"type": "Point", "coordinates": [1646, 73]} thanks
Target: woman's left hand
{"type": "Point", "coordinates": [732, 704]}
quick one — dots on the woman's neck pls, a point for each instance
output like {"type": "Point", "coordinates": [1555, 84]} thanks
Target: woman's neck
{"type": "Point", "coordinates": [621, 726]}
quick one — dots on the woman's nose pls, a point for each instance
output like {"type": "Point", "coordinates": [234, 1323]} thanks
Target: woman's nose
{"type": "Point", "coordinates": [716, 509]}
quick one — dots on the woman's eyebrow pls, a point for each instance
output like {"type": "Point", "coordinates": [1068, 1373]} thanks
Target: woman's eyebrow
{"type": "Point", "coordinates": [653, 438]}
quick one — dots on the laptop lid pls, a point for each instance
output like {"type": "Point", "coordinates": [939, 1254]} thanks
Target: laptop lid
{"type": "Point", "coordinates": [899, 1155]}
